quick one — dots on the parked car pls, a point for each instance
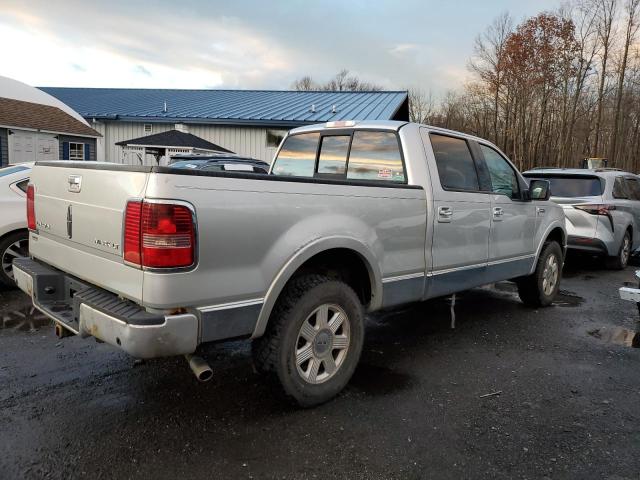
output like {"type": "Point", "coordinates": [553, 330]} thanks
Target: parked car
{"type": "Point", "coordinates": [354, 217]}
{"type": "Point", "coordinates": [602, 207]}
{"type": "Point", "coordinates": [219, 163]}
{"type": "Point", "coordinates": [14, 241]}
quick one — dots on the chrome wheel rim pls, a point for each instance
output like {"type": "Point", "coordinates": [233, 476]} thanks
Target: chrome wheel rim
{"type": "Point", "coordinates": [550, 275]}
{"type": "Point", "coordinates": [626, 247]}
{"type": "Point", "coordinates": [17, 249]}
{"type": "Point", "coordinates": [322, 343]}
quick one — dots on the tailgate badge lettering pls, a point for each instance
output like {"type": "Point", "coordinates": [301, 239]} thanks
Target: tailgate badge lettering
{"type": "Point", "coordinates": [107, 244]}
{"type": "Point", "coordinates": [75, 183]}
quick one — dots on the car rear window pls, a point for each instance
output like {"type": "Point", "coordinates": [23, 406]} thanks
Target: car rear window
{"type": "Point", "coordinates": [9, 170]}
{"type": "Point", "coordinates": [297, 156]}
{"type": "Point", "coordinates": [572, 187]}
{"type": "Point", "coordinates": [364, 155]}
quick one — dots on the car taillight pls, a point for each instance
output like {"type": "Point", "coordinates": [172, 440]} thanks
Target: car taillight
{"type": "Point", "coordinates": [596, 208]}
{"type": "Point", "coordinates": [159, 235]}
{"type": "Point", "coordinates": [31, 207]}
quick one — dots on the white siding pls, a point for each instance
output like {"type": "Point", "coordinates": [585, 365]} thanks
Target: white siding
{"type": "Point", "coordinates": [251, 141]}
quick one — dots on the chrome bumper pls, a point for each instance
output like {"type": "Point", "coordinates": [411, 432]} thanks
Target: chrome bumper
{"type": "Point", "coordinates": [88, 311]}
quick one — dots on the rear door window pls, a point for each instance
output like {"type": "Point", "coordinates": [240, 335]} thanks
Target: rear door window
{"type": "Point", "coordinates": [375, 156]}
{"type": "Point", "coordinates": [456, 168]}
{"type": "Point", "coordinates": [297, 156]}
{"type": "Point", "coordinates": [619, 189]}
{"type": "Point", "coordinates": [333, 155]}
{"type": "Point", "coordinates": [633, 187]}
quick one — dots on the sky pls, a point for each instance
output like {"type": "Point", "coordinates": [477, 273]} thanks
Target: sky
{"type": "Point", "coordinates": [245, 44]}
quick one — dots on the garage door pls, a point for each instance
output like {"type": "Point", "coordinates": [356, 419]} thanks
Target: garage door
{"type": "Point", "coordinates": [25, 146]}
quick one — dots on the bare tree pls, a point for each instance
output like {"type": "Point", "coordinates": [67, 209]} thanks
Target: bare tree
{"type": "Point", "coordinates": [342, 81]}
{"type": "Point", "coordinates": [421, 105]}
{"type": "Point", "coordinates": [607, 12]}
{"type": "Point", "coordinates": [631, 9]}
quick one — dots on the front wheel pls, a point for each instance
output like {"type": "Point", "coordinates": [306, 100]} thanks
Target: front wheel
{"type": "Point", "coordinates": [314, 339]}
{"type": "Point", "coordinates": [540, 288]}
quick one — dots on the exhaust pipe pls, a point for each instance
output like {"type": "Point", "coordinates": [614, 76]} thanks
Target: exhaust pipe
{"type": "Point", "coordinates": [199, 367]}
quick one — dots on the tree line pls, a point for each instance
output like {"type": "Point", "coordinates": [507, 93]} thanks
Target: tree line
{"type": "Point", "coordinates": [549, 91]}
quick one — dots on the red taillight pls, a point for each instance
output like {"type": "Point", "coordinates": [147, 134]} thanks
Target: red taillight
{"type": "Point", "coordinates": [596, 208]}
{"type": "Point", "coordinates": [31, 207]}
{"type": "Point", "coordinates": [132, 218]}
{"type": "Point", "coordinates": [159, 235]}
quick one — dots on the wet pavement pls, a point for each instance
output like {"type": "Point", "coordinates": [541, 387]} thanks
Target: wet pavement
{"type": "Point", "coordinates": [509, 393]}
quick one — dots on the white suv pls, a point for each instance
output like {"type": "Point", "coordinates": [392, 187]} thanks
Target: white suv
{"type": "Point", "coordinates": [602, 207]}
{"type": "Point", "coordinates": [14, 241]}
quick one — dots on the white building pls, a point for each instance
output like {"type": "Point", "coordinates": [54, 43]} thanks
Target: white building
{"type": "Point", "coordinates": [248, 122]}
{"type": "Point", "coordinates": [36, 126]}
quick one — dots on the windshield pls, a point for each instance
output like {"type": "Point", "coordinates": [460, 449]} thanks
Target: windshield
{"type": "Point", "coordinates": [572, 187]}
{"type": "Point", "coordinates": [9, 170]}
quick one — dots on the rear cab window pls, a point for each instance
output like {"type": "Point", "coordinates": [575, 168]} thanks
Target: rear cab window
{"type": "Point", "coordinates": [358, 155]}
{"type": "Point", "coordinates": [567, 186]}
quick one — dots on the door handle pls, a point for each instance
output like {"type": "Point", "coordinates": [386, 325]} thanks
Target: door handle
{"type": "Point", "coordinates": [445, 214]}
{"type": "Point", "coordinates": [540, 211]}
{"type": "Point", "coordinates": [497, 213]}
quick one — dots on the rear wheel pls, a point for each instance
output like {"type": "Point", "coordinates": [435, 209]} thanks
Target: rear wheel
{"type": "Point", "coordinates": [14, 245]}
{"type": "Point", "coordinates": [620, 261]}
{"type": "Point", "coordinates": [314, 339]}
{"type": "Point", "coordinates": [540, 288]}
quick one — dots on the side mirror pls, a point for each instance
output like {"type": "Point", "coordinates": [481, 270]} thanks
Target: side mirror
{"type": "Point", "coordinates": [539, 190]}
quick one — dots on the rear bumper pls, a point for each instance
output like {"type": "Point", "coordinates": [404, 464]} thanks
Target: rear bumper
{"type": "Point", "coordinates": [89, 311]}
{"type": "Point", "coordinates": [587, 244]}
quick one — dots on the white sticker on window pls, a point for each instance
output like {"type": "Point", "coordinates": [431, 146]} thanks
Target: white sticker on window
{"type": "Point", "coordinates": [385, 173]}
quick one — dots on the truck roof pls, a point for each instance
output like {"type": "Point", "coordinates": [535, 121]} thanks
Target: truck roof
{"type": "Point", "coordinates": [393, 125]}
{"type": "Point", "coordinates": [600, 172]}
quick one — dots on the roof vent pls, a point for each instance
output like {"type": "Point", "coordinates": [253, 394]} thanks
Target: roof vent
{"type": "Point", "coordinates": [164, 108]}
{"type": "Point", "coordinates": [313, 108]}
{"type": "Point", "coordinates": [333, 109]}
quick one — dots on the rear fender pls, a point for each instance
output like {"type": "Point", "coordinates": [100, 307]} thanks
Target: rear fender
{"type": "Point", "coordinates": [307, 252]}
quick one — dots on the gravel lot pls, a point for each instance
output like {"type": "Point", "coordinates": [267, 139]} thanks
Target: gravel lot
{"type": "Point", "coordinates": [568, 405]}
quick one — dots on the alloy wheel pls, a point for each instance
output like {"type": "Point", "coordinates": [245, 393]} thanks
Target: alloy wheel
{"type": "Point", "coordinates": [322, 343]}
{"type": "Point", "coordinates": [18, 249]}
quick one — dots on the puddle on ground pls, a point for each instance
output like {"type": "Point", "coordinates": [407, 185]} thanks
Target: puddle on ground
{"type": "Point", "coordinates": [617, 335]}
{"type": "Point", "coordinates": [374, 380]}
{"type": "Point", "coordinates": [565, 298]}
{"type": "Point", "coordinates": [25, 319]}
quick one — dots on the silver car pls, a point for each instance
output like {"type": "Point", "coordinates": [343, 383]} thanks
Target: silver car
{"type": "Point", "coordinates": [602, 208]}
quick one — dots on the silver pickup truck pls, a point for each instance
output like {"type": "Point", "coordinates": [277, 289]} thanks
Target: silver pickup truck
{"type": "Point", "coordinates": [353, 217]}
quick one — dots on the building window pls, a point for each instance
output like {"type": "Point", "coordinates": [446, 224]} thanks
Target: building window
{"type": "Point", "coordinates": [76, 151]}
{"type": "Point", "coordinates": [274, 137]}
{"type": "Point", "coordinates": [148, 128]}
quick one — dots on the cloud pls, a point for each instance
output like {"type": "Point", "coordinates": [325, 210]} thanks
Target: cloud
{"type": "Point", "coordinates": [244, 43]}
{"type": "Point", "coordinates": [140, 69]}
{"type": "Point", "coordinates": [78, 68]}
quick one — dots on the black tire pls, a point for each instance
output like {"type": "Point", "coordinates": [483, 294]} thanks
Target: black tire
{"type": "Point", "coordinates": [620, 261]}
{"type": "Point", "coordinates": [275, 352]}
{"type": "Point", "coordinates": [531, 289]}
{"type": "Point", "coordinates": [6, 255]}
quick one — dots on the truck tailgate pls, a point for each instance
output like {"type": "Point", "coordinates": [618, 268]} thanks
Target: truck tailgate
{"type": "Point", "coordinates": [79, 215]}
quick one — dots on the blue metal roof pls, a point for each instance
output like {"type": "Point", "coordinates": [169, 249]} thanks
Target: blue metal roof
{"type": "Point", "coordinates": [256, 107]}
